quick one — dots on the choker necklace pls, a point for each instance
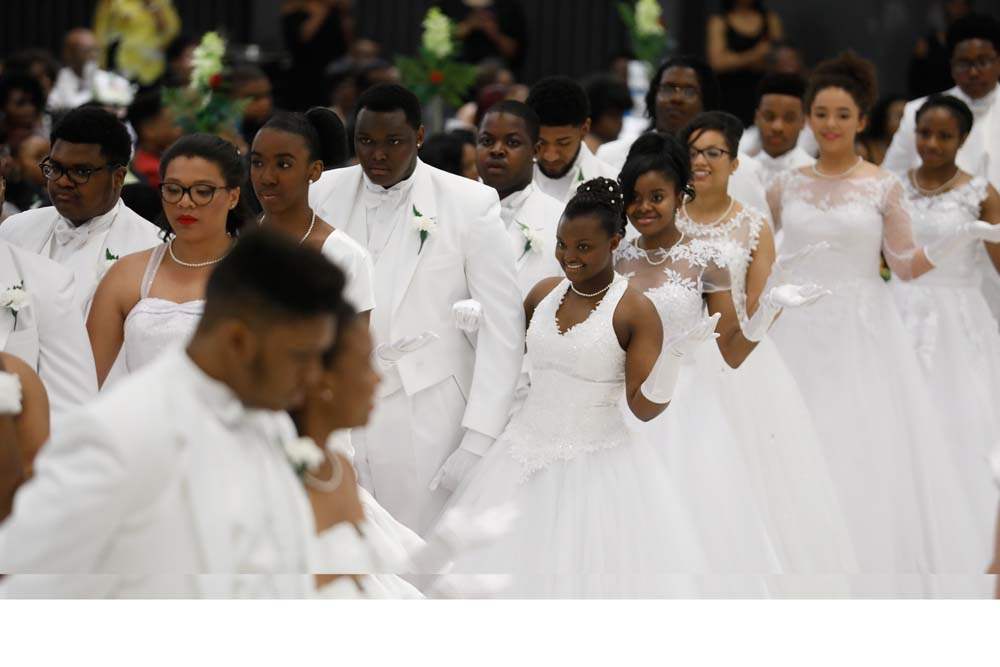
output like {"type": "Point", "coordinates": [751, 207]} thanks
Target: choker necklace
{"type": "Point", "coordinates": [841, 174]}
{"type": "Point", "coordinates": [940, 188]}
{"type": "Point", "coordinates": [195, 265]}
{"type": "Point", "coordinates": [597, 293]}
{"type": "Point", "coordinates": [312, 224]}
{"type": "Point", "coordinates": [725, 214]}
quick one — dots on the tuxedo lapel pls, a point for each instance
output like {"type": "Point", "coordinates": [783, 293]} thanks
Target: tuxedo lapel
{"type": "Point", "coordinates": [424, 202]}
{"type": "Point", "coordinates": [354, 224]}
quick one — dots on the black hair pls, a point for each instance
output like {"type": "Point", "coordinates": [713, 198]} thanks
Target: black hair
{"type": "Point", "coordinates": [94, 125]}
{"type": "Point", "coordinates": [660, 152]}
{"type": "Point", "coordinates": [850, 72]}
{"type": "Point", "coordinates": [244, 74]}
{"type": "Point", "coordinates": [23, 60]}
{"type": "Point", "coordinates": [177, 46]}
{"type": "Point", "coordinates": [959, 109]}
{"type": "Point", "coordinates": [332, 136]}
{"type": "Point", "coordinates": [298, 124]}
{"type": "Point", "coordinates": [728, 125]}
{"type": "Point", "coordinates": [878, 121]}
{"type": "Point", "coordinates": [346, 315]}
{"type": "Point", "coordinates": [973, 26]}
{"type": "Point", "coordinates": [559, 101]}
{"type": "Point", "coordinates": [711, 95]}
{"type": "Point", "coordinates": [147, 105]}
{"type": "Point", "coordinates": [299, 283]}
{"type": "Point", "coordinates": [226, 157]}
{"type": "Point", "coordinates": [777, 83]}
{"type": "Point", "coordinates": [730, 5]}
{"type": "Point", "coordinates": [601, 197]}
{"type": "Point", "coordinates": [607, 94]}
{"type": "Point", "coordinates": [387, 97]}
{"type": "Point", "coordinates": [522, 111]}
{"type": "Point", "coordinates": [443, 151]}
{"type": "Point", "coordinates": [24, 82]}
{"type": "Point", "coordinates": [464, 135]}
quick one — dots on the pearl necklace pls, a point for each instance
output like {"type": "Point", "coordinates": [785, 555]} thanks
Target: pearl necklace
{"type": "Point", "coordinates": [312, 225]}
{"type": "Point", "coordinates": [714, 223]}
{"type": "Point", "coordinates": [195, 265]}
{"type": "Point", "coordinates": [597, 293]}
{"type": "Point", "coordinates": [645, 254]}
{"type": "Point", "coordinates": [938, 189]}
{"type": "Point", "coordinates": [841, 174]}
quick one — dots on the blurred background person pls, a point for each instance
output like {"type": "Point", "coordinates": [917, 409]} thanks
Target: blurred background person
{"type": "Point", "coordinates": [179, 52]}
{"type": "Point", "coordinates": [930, 65]}
{"type": "Point", "coordinates": [155, 130]}
{"type": "Point", "coordinates": [316, 33]}
{"type": "Point", "coordinates": [609, 102]}
{"type": "Point", "coordinates": [25, 182]}
{"type": "Point", "coordinates": [489, 29]}
{"type": "Point", "coordinates": [883, 123]}
{"type": "Point", "coordinates": [21, 103]}
{"type": "Point", "coordinates": [81, 80]}
{"type": "Point", "coordinates": [132, 35]}
{"type": "Point", "coordinates": [250, 84]}
{"type": "Point", "coordinates": [450, 152]}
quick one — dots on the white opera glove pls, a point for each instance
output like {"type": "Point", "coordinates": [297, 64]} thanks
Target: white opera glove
{"type": "Point", "coordinates": [461, 461]}
{"type": "Point", "coordinates": [458, 531]}
{"type": "Point", "coordinates": [961, 235]}
{"type": "Point", "coordinates": [659, 385]}
{"type": "Point", "coordinates": [467, 315]}
{"type": "Point", "coordinates": [773, 302]}
{"type": "Point", "coordinates": [10, 394]}
{"type": "Point", "coordinates": [388, 354]}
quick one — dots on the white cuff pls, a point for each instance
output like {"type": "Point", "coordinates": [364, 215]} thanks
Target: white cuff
{"type": "Point", "coordinates": [10, 394]}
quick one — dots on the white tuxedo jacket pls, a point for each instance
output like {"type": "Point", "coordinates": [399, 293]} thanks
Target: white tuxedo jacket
{"type": "Point", "coordinates": [467, 256]}
{"type": "Point", "coordinates": [130, 498]}
{"type": "Point", "coordinates": [129, 233]}
{"type": "Point", "coordinates": [48, 334]}
{"type": "Point", "coordinates": [540, 213]}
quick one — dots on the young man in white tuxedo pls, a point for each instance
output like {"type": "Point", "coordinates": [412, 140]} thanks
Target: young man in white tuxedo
{"type": "Point", "coordinates": [88, 226]}
{"type": "Point", "coordinates": [435, 239]}
{"type": "Point", "coordinates": [505, 152]}
{"type": "Point", "coordinates": [40, 323]}
{"type": "Point", "coordinates": [178, 482]}
{"type": "Point", "coordinates": [778, 125]}
{"type": "Point", "coordinates": [564, 159]}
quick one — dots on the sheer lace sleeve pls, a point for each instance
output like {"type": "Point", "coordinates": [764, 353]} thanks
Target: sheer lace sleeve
{"type": "Point", "coordinates": [774, 194]}
{"type": "Point", "coordinates": [904, 257]}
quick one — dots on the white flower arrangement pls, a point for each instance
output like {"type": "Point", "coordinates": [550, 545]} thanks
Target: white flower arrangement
{"type": "Point", "coordinates": [424, 225]}
{"type": "Point", "coordinates": [206, 60]}
{"type": "Point", "coordinates": [14, 299]}
{"type": "Point", "coordinates": [304, 455]}
{"type": "Point", "coordinates": [437, 33]}
{"type": "Point", "coordinates": [532, 240]}
{"type": "Point", "coordinates": [647, 18]}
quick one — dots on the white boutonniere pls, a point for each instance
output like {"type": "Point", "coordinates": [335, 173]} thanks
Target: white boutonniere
{"type": "Point", "coordinates": [424, 225]}
{"type": "Point", "coordinates": [14, 299]}
{"type": "Point", "coordinates": [532, 241]}
{"type": "Point", "coordinates": [304, 455]}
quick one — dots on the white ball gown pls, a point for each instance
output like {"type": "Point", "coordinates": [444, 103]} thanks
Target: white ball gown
{"type": "Point", "coordinates": [742, 434]}
{"type": "Point", "coordinates": [597, 515]}
{"type": "Point", "coordinates": [907, 509]}
{"type": "Point", "coordinates": [956, 338]}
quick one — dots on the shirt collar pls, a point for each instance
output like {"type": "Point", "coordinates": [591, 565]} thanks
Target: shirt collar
{"type": "Point", "coordinates": [376, 195]}
{"type": "Point", "coordinates": [513, 202]}
{"type": "Point", "coordinates": [66, 229]}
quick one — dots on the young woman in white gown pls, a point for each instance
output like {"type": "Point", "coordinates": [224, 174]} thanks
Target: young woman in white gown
{"type": "Point", "coordinates": [907, 510]}
{"type": "Point", "coordinates": [597, 515]}
{"type": "Point", "coordinates": [738, 423]}
{"type": "Point", "coordinates": [953, 329]}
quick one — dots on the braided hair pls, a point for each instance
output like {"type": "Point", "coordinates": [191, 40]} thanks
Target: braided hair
{"type": "Point", "coordinates": [601, 197]}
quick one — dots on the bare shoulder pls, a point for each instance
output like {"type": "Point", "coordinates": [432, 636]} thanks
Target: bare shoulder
{"type": "Point", "coordinates": [541, 290]}
{"type": "Point", "coordinates": [634, 307]}
{"type": "Point", "coordinates": [14, 364]}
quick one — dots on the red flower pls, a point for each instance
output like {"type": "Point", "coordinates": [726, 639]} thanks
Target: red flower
{"type": "Point", "coordinates": [436, 77]}
{"type": "Point", "coordinates": [215, 81]}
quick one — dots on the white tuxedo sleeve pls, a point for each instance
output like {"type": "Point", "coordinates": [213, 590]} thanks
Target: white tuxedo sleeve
{"type": "Point", "coordinates": [492, 280]}
{"type": "Point", "coordinates": [66, 360]}
{"type": "Point", "coordinates": [65, 516]}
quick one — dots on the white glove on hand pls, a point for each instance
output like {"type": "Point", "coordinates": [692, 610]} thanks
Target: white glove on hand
{"type": "Point", "coordinates": [962, 234]}
{"type": "Point", "coordinates": [10, 394]}
{"type": "Point", "coordinates": [466, 315]}
{"type": "Point", "coordinates": [773, 301]}
{"type": "Point", "coordinates": [388, 354]}
{"type": "Point", "coordinates": [454, 470]}
{"type": "Point", "coordinates": [459, 531]}
{"type": "Point", "coordinates": [659, 385]}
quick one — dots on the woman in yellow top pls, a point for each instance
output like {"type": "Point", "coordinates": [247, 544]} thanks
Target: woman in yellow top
{"type": "Point", "coordinates": [142, 29]}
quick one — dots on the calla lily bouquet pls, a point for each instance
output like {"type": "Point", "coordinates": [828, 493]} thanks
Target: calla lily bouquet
{"type": "Point", "coordinates": [646, 30]}
{"type": "Point", "coordinates": [205, 105]}
{"type": "Point", "coordinates": [435, 72]}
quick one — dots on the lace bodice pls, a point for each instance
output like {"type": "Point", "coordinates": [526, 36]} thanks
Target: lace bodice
{"type": "Point", "coordinates": [857, 215]}
{"type": "Point", "coordinates": [937, 216]}
{"type": "Point", "coordinates": [577, 382]}
{"type": "Point", "coordinates": [153, 324]}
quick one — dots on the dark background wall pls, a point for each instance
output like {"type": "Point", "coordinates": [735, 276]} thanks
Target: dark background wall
{"type": "Point", "coordinates": [571, 37]}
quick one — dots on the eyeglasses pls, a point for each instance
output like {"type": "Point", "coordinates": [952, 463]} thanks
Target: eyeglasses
{"type": "Point", "coordinates": [964, 66]}
{"type": "Point", "coordinates": [80, 175]}
{"type": "Point", "coordinates": [690, 92]}
{"type": "Point", "coordinates": [201, 194]}
{"type": "Point", "coordinates": [711, 153]}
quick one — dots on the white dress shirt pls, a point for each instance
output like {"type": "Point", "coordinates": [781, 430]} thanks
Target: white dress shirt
{"type": "Point", "coordinates": [585, 167]}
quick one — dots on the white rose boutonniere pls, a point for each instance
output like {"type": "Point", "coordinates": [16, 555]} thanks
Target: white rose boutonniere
{"type": "Point", "coordinates": [304, 455]}
{"type": "Point", "coordinates": [532, 240]}
{"type": "Point", "coordinates": [424, 225]}
{"type": "Point", "coordinates": [14, 299]}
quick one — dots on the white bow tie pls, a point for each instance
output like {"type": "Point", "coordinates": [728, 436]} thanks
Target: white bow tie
{"type": "Point", "coordinates": [378, 196]}
{"type": "Point", "coordinates": [68, 235]}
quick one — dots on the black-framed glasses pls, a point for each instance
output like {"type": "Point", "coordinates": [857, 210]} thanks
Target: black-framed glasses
{"type": "Point", "coordinates": [79, 174]}
{"type": "Point", "coordinates": [710, 153]}
{"type": "Point", "coordinates": [201, 194]}
{"type": "Point", "coordinates": [980, 64]}
{"type": "Point", "coordinates": [689, 92]}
